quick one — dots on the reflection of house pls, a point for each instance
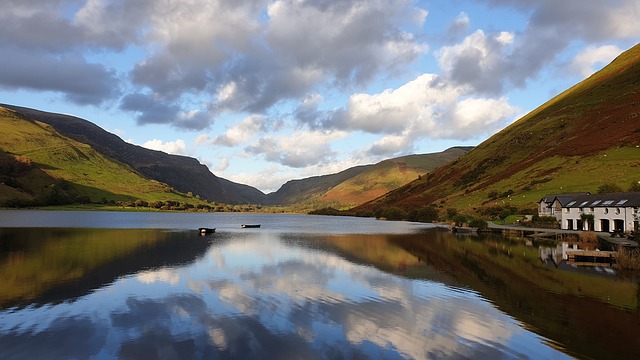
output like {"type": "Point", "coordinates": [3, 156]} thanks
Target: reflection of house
{"type": "Point", "coordinates": [599, 212]}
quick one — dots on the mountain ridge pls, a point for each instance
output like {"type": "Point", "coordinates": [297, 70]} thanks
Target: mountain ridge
{"type": "Point", "coordinates": [183, 173]}
{"type": "Point", "coordinates": [585, 136]}
{"type": "Point", "coordinates": [361, 183]}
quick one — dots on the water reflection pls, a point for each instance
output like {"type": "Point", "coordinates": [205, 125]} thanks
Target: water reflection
{"type": "Point", "coordinates": [39, 266]}
{"type": "Point", "coordinates": [252, 295]}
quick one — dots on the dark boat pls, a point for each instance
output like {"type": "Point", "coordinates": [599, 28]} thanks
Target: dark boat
{"type": "Point", "coordinates": [207, 230]}
{"type": "Point", "coordinates": [248, 226]}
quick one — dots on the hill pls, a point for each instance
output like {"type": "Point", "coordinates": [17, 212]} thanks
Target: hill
{"type": "Point", "coordinates": [360, 184]}
{"type": "Point", "coordinates": [183, 173]}
{"type": "Point", "coordinates": [40, 166]}
{"type": "Point", "coordinates": [585, 137]}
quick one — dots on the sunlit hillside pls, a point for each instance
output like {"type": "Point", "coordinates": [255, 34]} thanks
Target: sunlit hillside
{"type": "Point", "coordinates": [40, 166]}
{"type": "Point", "coordinates": [583, 138]}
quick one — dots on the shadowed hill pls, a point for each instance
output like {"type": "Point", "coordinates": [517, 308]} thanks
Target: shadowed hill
{"type": "Point", "coordinates": [183, 173]}
{"type": "Point", "coordinates": [584, 137]}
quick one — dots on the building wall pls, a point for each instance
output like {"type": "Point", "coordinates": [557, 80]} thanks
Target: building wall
{"type": "Point", "coordinates": [624, 216]}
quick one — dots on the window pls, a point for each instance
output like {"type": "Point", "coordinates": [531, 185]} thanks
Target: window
{"type": "Point", "coordinates": [621, 202]}
{"type": "Point", "coordinates": [617, 211]}
{"type": "Point", "coordinates": [592, 210]}
{"type": "Point", "coordinates": [606, 210]}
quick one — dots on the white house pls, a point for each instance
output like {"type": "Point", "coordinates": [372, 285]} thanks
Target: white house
{"type": "Point", "coordinates": [615, 211]}
{"type": "Point", "coordinates": [545, 207]}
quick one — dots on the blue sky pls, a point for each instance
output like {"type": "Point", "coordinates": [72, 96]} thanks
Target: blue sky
{"type": "Point", "coordinates": [263, 92]}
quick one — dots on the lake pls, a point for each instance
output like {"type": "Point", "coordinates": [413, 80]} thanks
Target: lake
{"type": "Point", "coordinates": [126, 285]}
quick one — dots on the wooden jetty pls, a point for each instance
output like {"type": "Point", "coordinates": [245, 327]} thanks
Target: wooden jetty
{"type": "Point", "coordinates": [591, 258]}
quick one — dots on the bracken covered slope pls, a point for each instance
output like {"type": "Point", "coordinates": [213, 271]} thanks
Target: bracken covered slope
{"type": "Point", "coordinates": [584, 137]}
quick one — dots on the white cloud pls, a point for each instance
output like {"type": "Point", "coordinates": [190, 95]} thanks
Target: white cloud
{"type": "Point", "coordinates": [162, 275]}
{"type": "Point", "coordinates": [267, 180]}
{"type": "Point", "coordinates": [223, 164]}
{"type": "Point", "coordinates": [178, 147]}
{"type": "Point", "coordinates": [297, 150]}
{"type": "Point", "coordinates": [585, 62]}
{"type": "Point", "coordinates": [240, 133]}
{"type": "Point", "coordinates": [426, 107]}
{"type": "Point", "coordinates": [460, 25]}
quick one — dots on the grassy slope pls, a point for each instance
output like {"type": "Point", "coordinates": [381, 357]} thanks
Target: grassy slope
{"type": "Point", "coordinates": [55, 157]}
{"type": "Point", "coordinates": [387, 176]}
{"type": "Point", "coordinates": [361, 184]}
{"type": "Point", "coordinates": [582, 138]}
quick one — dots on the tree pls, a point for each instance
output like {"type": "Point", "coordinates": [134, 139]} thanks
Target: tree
{"type": "Point", "coordinates": [427, 214]}
{"type": "Point", "coordinates": [588, 219]}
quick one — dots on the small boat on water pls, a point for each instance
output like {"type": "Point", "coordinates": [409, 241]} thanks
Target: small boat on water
{"type": "Point", "coordinates": [248, 226]}
{"type": "Point", "coordinates": [207, 230]}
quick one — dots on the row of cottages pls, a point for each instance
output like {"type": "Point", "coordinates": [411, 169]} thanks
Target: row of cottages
{"type": "Point", "coordinates": [611, 212]}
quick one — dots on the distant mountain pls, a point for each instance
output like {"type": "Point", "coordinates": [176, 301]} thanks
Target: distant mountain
{"type": "Point", "coordinates": [183, 173]}
{"type": "Point", "coordinates": [583, 138]}
{"type": "Point", "coordinates": [359, 184]}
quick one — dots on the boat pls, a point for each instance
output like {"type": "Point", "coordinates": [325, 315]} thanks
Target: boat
{"type": "Point", "coordinates": [248, 226]}
{"type": "Point", "coordinates": [207, 230]}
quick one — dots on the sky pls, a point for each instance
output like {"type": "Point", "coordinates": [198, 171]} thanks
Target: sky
{"type": "Point", "coordinates": [265, 91]}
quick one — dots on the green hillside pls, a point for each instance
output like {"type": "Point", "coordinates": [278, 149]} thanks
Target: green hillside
{"type": "Point", "coordinates": [583, 138]}
{"type": "Point", "coordinates": [183, 173]}
{"type": "Point", "coordinates": [360, 184]}
{"type": "Point", "coordinates": [39, 166]}
{"type": "Point", "coordinates": [388, 175]}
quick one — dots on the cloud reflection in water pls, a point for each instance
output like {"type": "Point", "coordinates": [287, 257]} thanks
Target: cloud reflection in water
{"type": "Point", "coordinates": [256, 296]}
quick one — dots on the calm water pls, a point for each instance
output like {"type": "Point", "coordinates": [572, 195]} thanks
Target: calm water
{"type": "Point", "coordinates": [147, 285]}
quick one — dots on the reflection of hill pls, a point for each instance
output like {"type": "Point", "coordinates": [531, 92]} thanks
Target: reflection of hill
{"type": "Point", "coordinates": [39, 266]}
{"type": "Point", "coordinates": [379, 251]}
{"type": "Point", "coordinates": [592, 316]}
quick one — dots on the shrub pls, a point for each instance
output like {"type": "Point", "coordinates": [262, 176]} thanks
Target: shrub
{"type": "Point", "coordinates": [83, 199]}
{"type": "Point", "coordinates": [628, 259]}
{"type": "Point", "coordinates": [478, 223]}
{"type": "Point", "coordinates": [394, 213]}
{"type": "Point", "coordinates": [425, 214]}
{"type": "Point", "coordinates": [460, 219]}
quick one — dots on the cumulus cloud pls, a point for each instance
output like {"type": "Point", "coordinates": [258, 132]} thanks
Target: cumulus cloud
{"type": "Point", "coordinates": [426, 107]}
{"type": "Point", "coordinates": [240, 133]}
{"type": "Point", "coordinates": [297, 150]}
{"type": "Point", "coordinates": [487, 63]}
{"type": "Point", "coordinates": [460, 25]}
{"type": "Point", "coordinates": [584, 63]}
{"type": "Point", "coordinates": [479, 61]}
{"type": "Point", "coordinates": [178, 147]}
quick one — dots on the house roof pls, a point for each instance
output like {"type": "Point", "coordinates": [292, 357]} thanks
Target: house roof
{"type": "Point", "coordinates": [549, 199]}
{"type": "Point", "coordinates": [628, 199]}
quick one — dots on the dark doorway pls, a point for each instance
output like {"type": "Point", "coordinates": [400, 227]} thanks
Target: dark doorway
{"type": "Point", "coordinates": [604, 225]}
{"type": "Point", "coordinates": [618, 225]}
